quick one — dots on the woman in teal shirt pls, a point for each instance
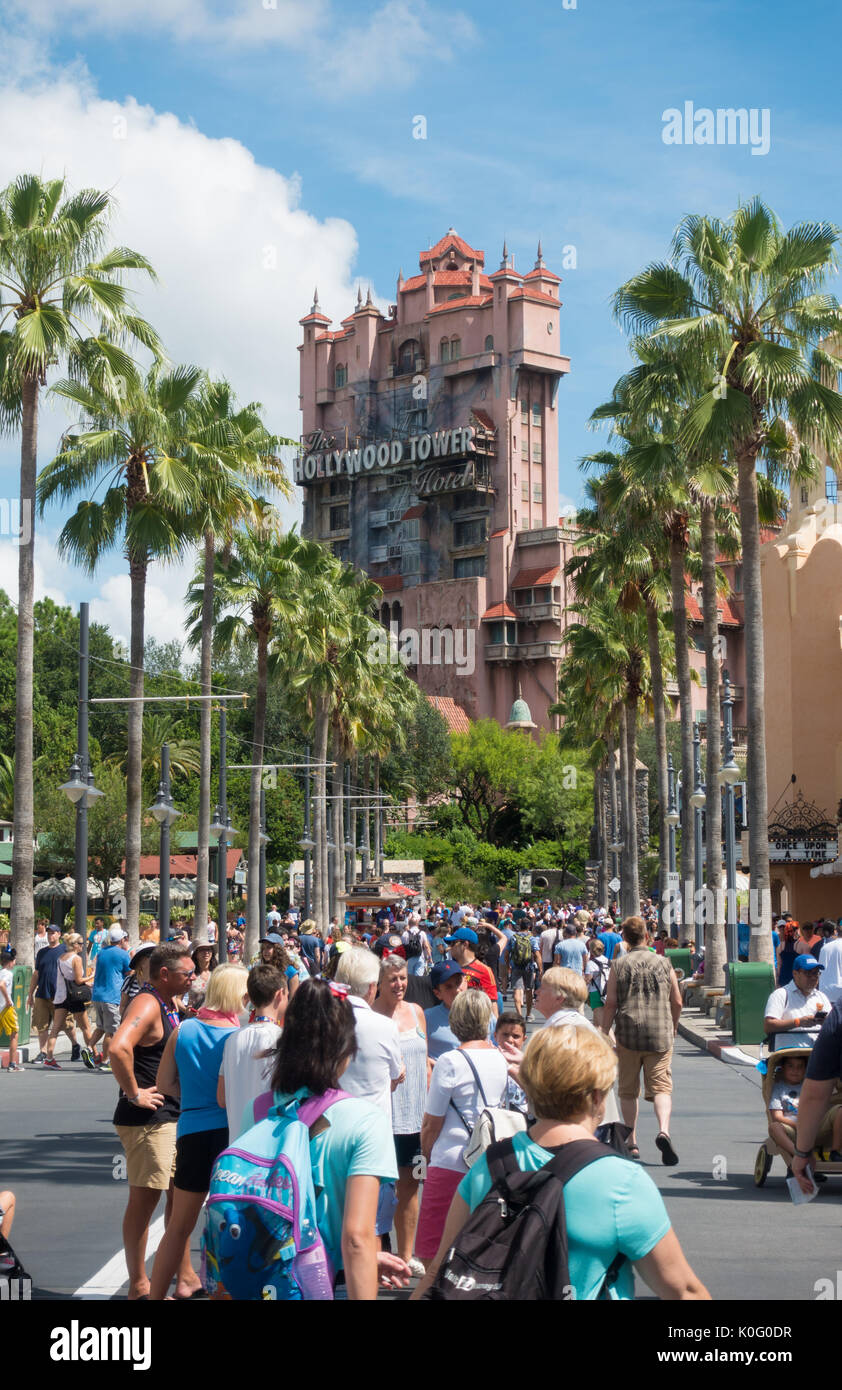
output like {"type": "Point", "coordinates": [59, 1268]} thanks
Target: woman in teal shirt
{"type": "Point", "coordinates": [611, 1207]}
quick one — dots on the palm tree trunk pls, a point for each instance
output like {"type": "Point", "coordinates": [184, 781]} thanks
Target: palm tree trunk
{"type": "Point", "coordinates": [378, 820]}
{"type": "Point", "coordinates": [22, 920]}
{"type": "Point", "coordinates": [134, 760]}
{"type": "Point", "coordinates": [656, 670]}
{"type": "Point", "coordinates": [760, 940]}
{"type": "Point", "coordinates": [682, 665]}
{"type": "Point", "coordinates": [253, 923]}
{"type": "Point", "coordinates": [715, 928]}
{"type": "Point", "coordinates": [367, 810]}
{"type": "Point", "coordinates": [623, 822]}
{"type": "Point", "coordinates": [320, 742]}
{"type": "Point", "coordinates": [337, 827]}
{"type": "Point", "coordinates": [633, 869]}
{"type": "Point", "coordinates": [599, 799]}
{"type": "Point", "coordinates": [200, 916]}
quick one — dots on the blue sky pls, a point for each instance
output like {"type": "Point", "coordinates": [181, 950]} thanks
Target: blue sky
{"type": "Point", "coordinates": [541, 121]}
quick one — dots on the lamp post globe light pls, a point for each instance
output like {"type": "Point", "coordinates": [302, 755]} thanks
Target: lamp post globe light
{"type": "Point", "coordinates": [164, 812]}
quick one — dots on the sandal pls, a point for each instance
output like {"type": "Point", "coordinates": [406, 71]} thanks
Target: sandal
{"type": "Point", "coordinates": [668, 1154]}
{"type": "Point", "coordinates": [633, 1152]}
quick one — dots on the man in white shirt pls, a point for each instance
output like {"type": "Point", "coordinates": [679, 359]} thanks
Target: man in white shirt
{"type": "Point", "coordinates": [378, 1067]}
{"type": "Point", "coordinates": [831, 959]}
{"type": "Point", "coordinates": [795, 1012]}
{"type": "Point", "coordinates": [245, 1072]}
{"type": "Point", "coordinates": [550, 938]}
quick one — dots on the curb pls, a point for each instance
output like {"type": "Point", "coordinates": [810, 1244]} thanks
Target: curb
{"type": "Point", "coordinates": [718, 1047]}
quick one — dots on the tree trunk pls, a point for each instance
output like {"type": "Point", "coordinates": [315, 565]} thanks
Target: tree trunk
{"type": "Point", "coordinates": [599, 781]}
{"type": "Point", "coordinates": [254, 927]}
{"type": "Point", "coordinates": [682, 664]}
{"type": "Point", "coordinates": [337, 826]}
{"type": "Point", "coordinates": [320, 741]}
{"type": "Point", "coordinates": [134, 760]}
{"type": "Point", "coordinates": [623, 823]}
{"type": "Point", "coordinates": [633, 874]}
{"type": "Point", "coordinates": [22, 921]}
{"type": "Point", "coordinates": [715, 929]}
{"type": "Point", "coordinates": [656, 670]}
{"type": "Point", "coordinates": [367, 810]}
{"type": "Point", "coordinates": [760, 940]}
{"type": "Point", "coordinates": [200, 915]}
{"type": "Point", "coordinates": [378, 837]}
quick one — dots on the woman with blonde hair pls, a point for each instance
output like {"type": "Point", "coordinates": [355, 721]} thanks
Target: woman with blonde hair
{"type": "Point", "coordinates": [615, 1217]}
{"type": "Point", "coordinates": [189, 1070]}
{"type": "Point", "coordinates": [72, 996]}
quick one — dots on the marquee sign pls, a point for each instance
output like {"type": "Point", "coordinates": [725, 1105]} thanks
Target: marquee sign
{"type": "Point", "coordinates": [313, 466]}
{"type": "Point", "coordinates": [802, 834]}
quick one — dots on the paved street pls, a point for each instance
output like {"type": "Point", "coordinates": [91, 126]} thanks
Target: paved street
{"type": "Point", "coordinates": [59, 1153]}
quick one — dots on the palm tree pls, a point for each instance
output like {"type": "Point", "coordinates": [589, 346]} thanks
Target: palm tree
{"type": "Point", "coordinates": [56, 279]}
{"type": "Point", "coordinates": [135, 441]}
{"type": "Point", "coordinates": [233, 453]}
{"type": "Point", "coordinates": [744, 301]}
{"type": "Point", "coordinates": [260, 592]}
{"type": "Point", "coordinates": [159, 729]}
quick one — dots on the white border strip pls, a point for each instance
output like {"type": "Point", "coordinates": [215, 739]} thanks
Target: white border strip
{"type": "Point", "coordinates": [113, 1275]}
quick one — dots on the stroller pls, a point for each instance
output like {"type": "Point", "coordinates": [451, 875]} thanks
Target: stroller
{"type": "Point", "coordinates": [821, 1163]}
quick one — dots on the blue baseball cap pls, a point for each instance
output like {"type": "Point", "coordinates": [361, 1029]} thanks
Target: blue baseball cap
{"type": "Point", "coordinates": [463, 934]}
{"type": "Point", "coordinates": [807, 962]}
{"type": "Point", "coordinates": [445, 970]}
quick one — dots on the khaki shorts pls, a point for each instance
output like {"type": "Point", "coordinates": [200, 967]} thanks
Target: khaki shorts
{"type": "Point", "coordinates": [150, 1153]}
{"type": "Point", "coordinates": [825, 1134]}
{"type": "Point", "coordinates": [657, 1073]}
{"type": "Point", "coordinates": [43, 1013]}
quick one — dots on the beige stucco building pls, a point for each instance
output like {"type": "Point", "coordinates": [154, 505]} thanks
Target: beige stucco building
{"type": "Point", "coordinates": [802, 611]}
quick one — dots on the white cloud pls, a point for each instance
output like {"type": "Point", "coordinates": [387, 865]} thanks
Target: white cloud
{"type": "Point", "coordinates": [236, 253]}
{"type": "Point", "coordinates": [394, 42]}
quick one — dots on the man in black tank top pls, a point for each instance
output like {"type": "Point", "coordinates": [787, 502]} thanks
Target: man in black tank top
{"type": "Point", "coordinates": [146, 1120]}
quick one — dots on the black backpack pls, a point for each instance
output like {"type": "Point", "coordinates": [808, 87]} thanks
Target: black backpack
{"type": "Point", "coordinates": [513, 1247]}
{"type": "Point", "coordinates": [413, 944]}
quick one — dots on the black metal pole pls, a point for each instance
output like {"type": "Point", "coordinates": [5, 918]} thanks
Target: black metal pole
{"type": "Point", "coordinates": [222, 848]}
{"type": "Point", "coordinates": [307, 836]}
{"type": "Point", "coordinates": [164, 856]}
{"type": "Point", "coordinates": [261, 888]}
{"type": "Point", "coordinates": [80, 894]}
{"type": "Point", "coordinates": [349, 853]}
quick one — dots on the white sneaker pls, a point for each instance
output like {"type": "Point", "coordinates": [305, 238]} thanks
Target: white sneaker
{"type": "Point", "coordinates": [416, 1267]}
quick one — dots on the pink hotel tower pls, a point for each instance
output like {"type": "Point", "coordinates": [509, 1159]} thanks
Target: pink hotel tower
{"type": "Point", "coordinates": [429, 460]}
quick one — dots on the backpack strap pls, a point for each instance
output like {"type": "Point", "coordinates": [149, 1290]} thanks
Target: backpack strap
{"type": "Point", "coordinates": [477, 1080]}
{"type": "Point", "coordinates": [576, 1155]}
{"type": "Point", "coordinates": [312, 1109]}
{"type": "Point", "coordinates": [502, 1160]}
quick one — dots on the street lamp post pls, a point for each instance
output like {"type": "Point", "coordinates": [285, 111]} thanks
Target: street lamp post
{"type": "Point", "coordinates": [221, 830]}
{"type": "Point", "coordinates": [79, 789]}
{"type": "Point", "coordinates": [697, 801]}
{"type": "Point", "coordinates": [307, 843]}
{"type": "Point", "coordinates": [264, 840]}
{"type": "Point", "coordinates": [349, 839]}
{"type": "Point", "coordinates": [671, 819]}
{"type": "Point", "coordinates": [165, 814]}
{"type": "Point", "coordinates": [729, 775]}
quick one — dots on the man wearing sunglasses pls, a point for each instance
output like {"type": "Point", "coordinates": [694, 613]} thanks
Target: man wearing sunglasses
{"type": "Point", "coordinates": [146, 1120]}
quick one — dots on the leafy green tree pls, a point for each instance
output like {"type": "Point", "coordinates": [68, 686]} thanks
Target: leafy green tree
{"type": "Point", "coordinates": [423, 764]}
{"type": "Point", "coordinates": [56, 818]}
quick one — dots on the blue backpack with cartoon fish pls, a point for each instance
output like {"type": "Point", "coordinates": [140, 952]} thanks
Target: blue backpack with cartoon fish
{"type": "Point", "coordinates": [261, 1240]}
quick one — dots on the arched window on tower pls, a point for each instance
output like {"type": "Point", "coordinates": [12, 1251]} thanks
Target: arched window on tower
{"type": "Point", "coordinates": [341, 375]}
{"type": "Point", "coordinates": [397, 614]}
{"type": "Point", "coordinates": [455, 349]}
{"type": "Point", "coordinates": [407, 355]}
{"type": "Point", "coordinates": [489, 343]}
{"type": "Point", "coordinates": [384, 614]}
{"type": "Point", "coordinates": [444, 350]}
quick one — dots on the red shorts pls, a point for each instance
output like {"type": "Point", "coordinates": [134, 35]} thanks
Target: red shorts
{"type": "Point", "coordinates": [439, 1187]}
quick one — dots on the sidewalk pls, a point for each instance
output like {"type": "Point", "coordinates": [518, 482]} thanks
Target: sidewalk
{"type": "Point", "coordinates": [704, 1032]}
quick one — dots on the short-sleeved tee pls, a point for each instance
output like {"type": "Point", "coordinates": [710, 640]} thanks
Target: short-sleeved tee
{"type": "Point", "coordinates": [571, 953]}
{"type": "Point", "coordinates": [454, 1092]}
{"type": "Point", "coordinates": [245, 1072]}
{"type": "Point", "coordinates": [785, 1097]}
{"type": "Point", "coordinates": [825, 1062]}
{"type": "Point", "coordinates": [6, 978]}
{"type": "Point", "coordinates": [46, 964]}
{"type": "Point", "coordinates": [480, 977]}
{"type": "Point", "coordinates": [357, 1143]}
{"type": "Point", "coordinates": [612, 1208]}
{"type": "Point", "coordinates": [440, 1037]}
{"type": "Point", "coordinates": [113, 964]}
{"type": "Point", "coordinates": [611, 940]}
{"type": "Point", "coordinates": [310, 945]}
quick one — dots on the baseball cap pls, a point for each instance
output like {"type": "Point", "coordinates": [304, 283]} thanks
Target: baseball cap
{"type": "Point", "coordinates": [463, 934]}
{"type": "Point", "coordinates": [444, 970]}
{"type": "Point", "coordinates": [116, 934]}
{"type": "Point", "coordinates": [807, 962]}
{"type": "Point", "coordinates": [273, 938]}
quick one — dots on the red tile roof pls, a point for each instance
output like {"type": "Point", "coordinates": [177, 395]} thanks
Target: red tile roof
{"type": "Point", "coordinates": [388, 582]}
{"type": "Point", "coordinates": [498, 610]}
{"type": "Point", "coordinates": [182, 865]}
{"type": "Point", "coordinates": [451, 239]}
{"type": "Point", "coordinates": [543, 274]}
{"type": "Point", "coordinates": [413, 512]}
{"type": "Point", "coordinates": [453, 715]}
{"type": "Point", "coordinates": [728, 617]}
{"type": "Point", "coordinates": [525, 579]}
{"type": "Point", "coordinates": [505, 270]}
{"type": "Point", "coordinates": [468, 301]}
{"type": "Point", "coordinates": [501, 532]}
{"type": "Point", "coordinates": [535, 296]}
{"type": "Point", "coordinates": [483, 418]}
{"type": "Point", "coordinates": [444, 277]}
{"type": "Point", "coordinates": [315, 318]}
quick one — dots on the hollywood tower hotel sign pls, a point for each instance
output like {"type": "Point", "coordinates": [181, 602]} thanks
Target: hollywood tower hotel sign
{"type": "Point", "coordinates": [429, 459]}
